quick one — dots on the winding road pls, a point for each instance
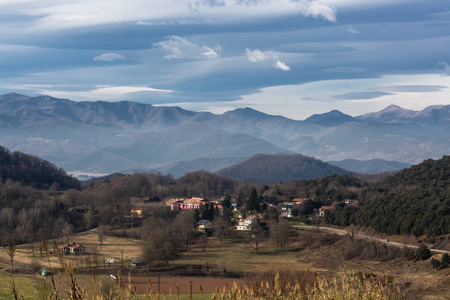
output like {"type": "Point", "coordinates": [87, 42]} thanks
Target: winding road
{"type": "Point", "coordinates": [362, 236]}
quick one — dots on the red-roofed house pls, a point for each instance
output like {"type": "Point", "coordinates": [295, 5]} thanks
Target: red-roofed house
{"type": "Point", "coordinates": [72, 248]}
{"type": "Point", "coordinates": [323, 209]}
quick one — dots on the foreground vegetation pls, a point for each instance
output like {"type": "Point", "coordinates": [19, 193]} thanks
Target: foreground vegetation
{"type": "Point", "coordinates": [262, 285]}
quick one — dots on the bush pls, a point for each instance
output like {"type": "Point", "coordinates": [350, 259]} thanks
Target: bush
{"type": "Point", "coordinates": [435, 263]}
{"type": "Point", "coordinates": [445, 261]}
{"type": "Point", "coordinates": [423, 253]}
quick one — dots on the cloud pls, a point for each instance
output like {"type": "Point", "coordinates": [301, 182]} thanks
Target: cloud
{"type": "Point", "coordinates": [259, 56]}
{"type": "Point", "coordinates": [352, 30]}
{"type": "Point", "coordinates": [348, 96]}
{"type": "Point", "coordinates": [410, 88]}
{"type": "Point", "coordinates": [110, 57]}
{"type": "Point", "coordinates": [443, 68]}
{"type": "Point", "coordinates": [181, 48]}
{"type": "Point", "coordinates": [316, 9]}
{"type": "Point", "coordinates": [256, 55]}
{"type": "Point", "coordinates": [108, 93]}
{"type": "Point", "coordinates": [195, 5]}
{"type": "Point", "coordinates": [281, 65]}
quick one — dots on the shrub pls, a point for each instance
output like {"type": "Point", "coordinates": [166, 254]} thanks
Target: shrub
{"type": "Point", "coordinates": [423, 253]}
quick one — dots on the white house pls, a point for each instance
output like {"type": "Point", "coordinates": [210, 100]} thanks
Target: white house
{"type": "Point", "coordinates": [248, 223]}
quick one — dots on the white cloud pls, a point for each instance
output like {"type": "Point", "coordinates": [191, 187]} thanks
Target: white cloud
{"type": "Point", "coordinates": [259, 56]}
{"type": "Point", "coordinates": [108, 93]}
{"type": "Point", "coordinates": [181, 48]}
{"type": "Point", "coordinates": [352, 30]}
{"type": "Point", "coordinates": [316, 9]}
{"type": "Point", "coordinates": [256, 55]}
{"type": "Point", "coordinates": [443, 68]}
{"type": "Point", "coordinates": [281, 65]}
{"type": "Point", "coordinates": [110, 57]}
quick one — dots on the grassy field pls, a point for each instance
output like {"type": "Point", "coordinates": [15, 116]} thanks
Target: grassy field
{"type": "Point", "coordinates": [112, 248]}
{"type": "Point", "coordinates": [326, 254]}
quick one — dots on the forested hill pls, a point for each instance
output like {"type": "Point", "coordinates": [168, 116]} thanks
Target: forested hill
{"type": "Point", "coordinates": [275, 168]}
{"type": "Point", "coordinates": [31, 170]}
{"type": "Point", "coordinates": [413, 201]}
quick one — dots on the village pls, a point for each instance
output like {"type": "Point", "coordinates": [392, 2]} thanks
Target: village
{"type": "Point", "coordinates": [239, 220]}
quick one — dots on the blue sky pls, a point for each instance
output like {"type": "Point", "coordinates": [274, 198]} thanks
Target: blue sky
{"type": "Point", "coordinates": [284, 57]}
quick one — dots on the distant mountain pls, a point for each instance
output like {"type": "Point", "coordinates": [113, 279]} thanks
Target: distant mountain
{"type": "Point", "coordinates": [105, 137]}
{"type": "Point", "coordinates": [180, 168]}
{"type": "Point", "coordinates": [373, 166]}
{"type": "Point", "coordinates": [396, 114]}
{"type": "Point", "coordinates": [188, 141]}
{"type": "Point", "coordinates": [331, 119]}
{"type": "Point", "coordinates": [275, 168]}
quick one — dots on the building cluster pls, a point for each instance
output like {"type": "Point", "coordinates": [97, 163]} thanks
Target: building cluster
{"type": "Point", "coordinates": [192, 203]}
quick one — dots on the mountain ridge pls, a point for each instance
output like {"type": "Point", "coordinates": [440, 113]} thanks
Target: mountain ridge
{"type": "Point", "coordinates": [67, 132]}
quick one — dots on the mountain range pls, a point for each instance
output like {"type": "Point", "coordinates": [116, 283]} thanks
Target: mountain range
{"type": "Point", "coordinates": [106, 137]}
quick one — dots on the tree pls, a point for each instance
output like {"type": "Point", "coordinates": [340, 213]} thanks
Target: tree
{"type": "Point", "coordinates": [258, 235]}
{"type": "Point", "coordinates": [221, 228]}
{"type": "Point", "coordinates": [252, 201]}
{"type": "Point", "coordinates": [101, 235]}
{"type": "Point", "coordinates": [67, 230]}
{"type": "Point", "coordinates": [184, 226]}
{"type": "Point", "coordinates": [445, 261]}
{"type": "Point", "coordinates": [423, 253]}
{"type": "Point", "coordinates": [280, 232]}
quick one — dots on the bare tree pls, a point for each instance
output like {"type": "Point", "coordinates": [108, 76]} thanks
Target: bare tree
{"type": "Point", "coordinates": [258, 235]}
{"type": "Point", "coordinates": [184, 227]}
{"type": "Point", "coordinates": [67, 230]}
{"type": "Point", "coordinates": [101, 235]}
{"type": "Point", "coordinates": [280, 232]}
{"type": "Point", "coordinates": [221, 228]}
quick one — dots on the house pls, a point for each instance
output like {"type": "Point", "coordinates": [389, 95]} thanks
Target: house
{"type": "Point", "coordinates": [205, 226]}
{"type": "Point", "coordinates": [286, 209]}
{"type": "Point", "coordinates": [248, 223]}
{"type": "Point", "coordinates": [72, 248]}
{"type": "Point", "coordinates": [323, 209]}
{"type": "Point", "coordinates": [137, 211]}
{"type": "Point", "coordinates": [299, 200]}
{"type": "Point", "coordinates": [193, 203]}
{"type": "Point", "coordinates": [176, 205]}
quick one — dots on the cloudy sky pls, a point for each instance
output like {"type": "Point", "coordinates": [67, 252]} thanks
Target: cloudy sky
{"type": "Point", "coordinates": [285, 57]}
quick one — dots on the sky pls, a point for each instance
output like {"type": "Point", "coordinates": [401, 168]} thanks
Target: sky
{"type": "Point", "coordinates": [284, 57]}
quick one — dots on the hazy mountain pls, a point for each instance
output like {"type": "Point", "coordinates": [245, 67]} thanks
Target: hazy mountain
{"type": "Point", "coordinates": [332, 118]}
{"type": "Point", "coordinates": [180, 168]}
{"type": "Point", "coordinates": [275, 168]}
{"type": "Point", "coordinates": [396, 114]}
{"type": "Point", "coordinates": [108, 137]}
{"type": "Point", "coordinates": [372, 166]}
{"type": "Point", "coordinates": [188, 141]}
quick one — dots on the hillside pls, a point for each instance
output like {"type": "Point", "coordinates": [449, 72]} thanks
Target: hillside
{"type": "Point", "coordinates": [31, 170]}
{"type": "Point", "coordinates": [275, 168]}
{"type": "Point", "coordinates": [413, 201]}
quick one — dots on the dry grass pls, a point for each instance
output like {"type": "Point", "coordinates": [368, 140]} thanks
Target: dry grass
{"type": "Point", "coordinates": [112, 248]}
